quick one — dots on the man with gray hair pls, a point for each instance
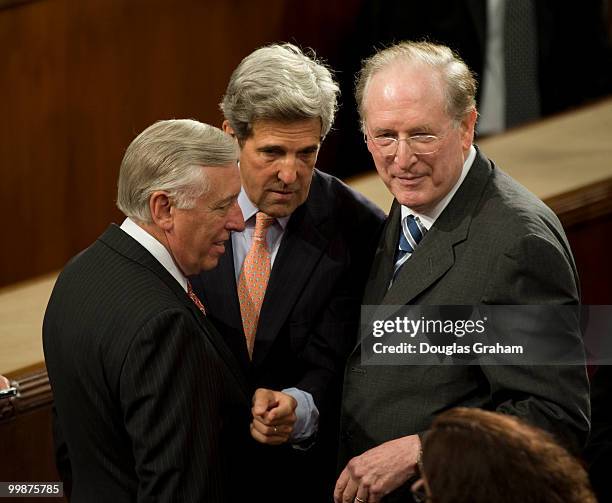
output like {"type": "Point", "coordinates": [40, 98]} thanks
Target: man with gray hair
{"type": "Point", "coordinates": [149, 399]}
{"type": "Point", "coordinates": [460, 233]}
{"type": "Point", "coordinates": [287, 295]}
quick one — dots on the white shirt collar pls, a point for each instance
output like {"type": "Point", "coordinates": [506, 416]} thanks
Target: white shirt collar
{"type": "Point", "coordinates": [155, 248]}
{"type": "Point", "coordinates": [249, 209]}
{"type": "Point", "coordinates": [429, 219]}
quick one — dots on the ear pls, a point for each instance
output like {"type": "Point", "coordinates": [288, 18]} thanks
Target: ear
{"type": "Point", "coordinates": [160, 207]}
{"type": "Point", "coordinates": [228, 129]}
{"type": "Point", "coordinates": [467, 129]}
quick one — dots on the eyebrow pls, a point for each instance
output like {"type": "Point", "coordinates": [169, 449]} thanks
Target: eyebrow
{"type": "Point", "coordinates": [309, 148]}
{"type": "Point", "coordinates": [227, 200]}
{"type": "Point", "coordinates": [426, 128]}
{"type": "Point", "coordinates": [263, 148]}
{"type": "Point", "coordinates": [382, 130]}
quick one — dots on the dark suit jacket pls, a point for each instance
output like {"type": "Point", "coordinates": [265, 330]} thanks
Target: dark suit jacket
{"type": "Point", "coordinates": [309, 318]}
{"type": "Point", "coordinates": [150, 401]}
{"type": "Point", "coordinates": [495, 243]}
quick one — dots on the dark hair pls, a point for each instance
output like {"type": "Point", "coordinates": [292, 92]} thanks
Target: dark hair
{"type": "Point", "coordinates": [475, 456]}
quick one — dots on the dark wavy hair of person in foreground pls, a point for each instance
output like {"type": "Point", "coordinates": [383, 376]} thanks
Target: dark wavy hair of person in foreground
{"type": "Point", "coordinates": [476, 456]}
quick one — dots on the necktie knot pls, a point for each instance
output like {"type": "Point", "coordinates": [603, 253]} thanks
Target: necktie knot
{"type": "Point", "coordinates": [262, 222]}
{"type": "Point", "coordinates": [195, 299]}
{"type": "Point", "coordinates": [411, 235]}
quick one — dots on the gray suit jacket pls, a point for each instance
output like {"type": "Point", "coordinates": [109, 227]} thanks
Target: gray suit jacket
{"type": "Point", "coordinates": [495, 243]}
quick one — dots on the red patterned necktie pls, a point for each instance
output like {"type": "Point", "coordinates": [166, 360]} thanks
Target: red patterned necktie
{"type": "Point", "coordinates": [253, 279]}
{"type": "Point", "coordinates": [196, 300]}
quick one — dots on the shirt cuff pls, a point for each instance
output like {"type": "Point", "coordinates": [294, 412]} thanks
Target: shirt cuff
{"type": "Point", "coordinates": [307, 422]}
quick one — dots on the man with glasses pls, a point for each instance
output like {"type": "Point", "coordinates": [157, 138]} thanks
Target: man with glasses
{"type": "Point", "coordinates": [460, 232]}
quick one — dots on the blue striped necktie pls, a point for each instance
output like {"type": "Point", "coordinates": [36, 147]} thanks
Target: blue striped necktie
{"type": "Point", "coordinates": [410, 236]}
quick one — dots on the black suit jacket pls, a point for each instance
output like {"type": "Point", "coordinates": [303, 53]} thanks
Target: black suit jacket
{"type": "Point", "coordinates": [309, 318]}
{"type": "Point", "coordinates": [495, 243]}
{"type": "Point", "coordinates": [150, 401]}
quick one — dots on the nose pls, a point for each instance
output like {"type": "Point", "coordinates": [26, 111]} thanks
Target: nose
{"type": "Point", "coordinates": [288, 171]}
{"type": "Point", "coordinates": [235, 220]}
{"type": "Point", "coordinates": [404, 155]}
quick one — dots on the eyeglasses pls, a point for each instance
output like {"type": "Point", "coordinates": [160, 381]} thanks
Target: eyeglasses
{"type": "Point", "coordinates": [420, 144]}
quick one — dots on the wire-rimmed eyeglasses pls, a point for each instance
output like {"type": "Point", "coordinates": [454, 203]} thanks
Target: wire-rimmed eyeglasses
{"type": "Point", "coordinates": [420, 144]}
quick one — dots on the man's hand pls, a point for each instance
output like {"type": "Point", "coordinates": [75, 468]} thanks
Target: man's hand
{"type": "Point", "coordinates": [377, 472]}
{"type": "Point", "coordinates": [4, 383]}
{"type": "Point", "coordinates": [273, 416]}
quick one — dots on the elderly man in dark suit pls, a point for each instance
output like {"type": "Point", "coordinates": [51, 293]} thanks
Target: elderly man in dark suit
{"type": "Point", "coordinates": [150, 401]}
{"type": "Point", "coordinates": [460, 232]}
{"type": "Point", "coordinates": [287, 294]}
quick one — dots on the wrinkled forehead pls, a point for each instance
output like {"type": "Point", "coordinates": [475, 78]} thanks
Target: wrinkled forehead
{"type": "Point", "coordinates": [303, 130]}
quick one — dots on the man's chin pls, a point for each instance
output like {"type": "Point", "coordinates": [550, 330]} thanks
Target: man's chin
{"type": "Point", "coordinates": [410, 201]}
{"type": "Point", "coordinates": [279, 210]}
{"type": "Point", "coordinates": [210, 263]}
{"type": "Point", "coordinates": [212, 258]}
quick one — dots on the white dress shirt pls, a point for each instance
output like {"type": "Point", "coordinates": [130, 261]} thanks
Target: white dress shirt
{"type": "Point", "coordinates": [155, 248]}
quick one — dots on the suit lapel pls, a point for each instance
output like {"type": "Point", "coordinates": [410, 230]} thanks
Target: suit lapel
{"type": "Point", "coordinates": [223, 302]}
{"type": "Point", "coordinates": [130, 248]}
{"type": "Point", "coordinates": [382, 265]}
{"type": "Point", "coordinates": [431, 259]}
{"type": "Point", "coordinates": [300, 250]}
{"type": "Point", "coordinates": [220, 296]}
{"type": "Point", "coordinates": [435, 254]}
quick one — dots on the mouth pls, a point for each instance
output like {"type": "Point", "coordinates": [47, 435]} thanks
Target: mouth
{"type": "Point", "coordinates": [283, 194]}
{"type": "Point", "coordinates": [219, 246]}
{"type": "Point", "coordinates": [408, 180]}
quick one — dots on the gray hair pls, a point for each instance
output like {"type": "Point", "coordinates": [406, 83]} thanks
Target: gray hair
{"type": "Point", "coordinates": [169, 156]}
{"type": "Point", "coordinates": [460, 84]}
{"type": "Point", "coordinates": [279, 82]}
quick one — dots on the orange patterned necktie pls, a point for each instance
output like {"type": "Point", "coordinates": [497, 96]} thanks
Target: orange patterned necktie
{"type": "Point", "coordinates": [253, 279]}
{"type": "Point", "coordinates": [196, 300]}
